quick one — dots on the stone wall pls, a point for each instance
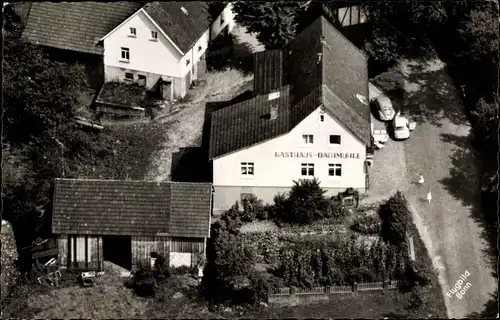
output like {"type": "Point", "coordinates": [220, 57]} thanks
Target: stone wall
{"type": "Point", "coordinates": [9, 273]}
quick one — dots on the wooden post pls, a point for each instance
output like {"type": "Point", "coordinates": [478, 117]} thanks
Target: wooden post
{"type": "Point", "coordinates": [355, 287]}
{"type": "Point", "coordinates": [386, 284]}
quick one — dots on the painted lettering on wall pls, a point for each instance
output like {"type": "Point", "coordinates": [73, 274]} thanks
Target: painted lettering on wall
{"type": "Point", "coordinates": [319, 155]}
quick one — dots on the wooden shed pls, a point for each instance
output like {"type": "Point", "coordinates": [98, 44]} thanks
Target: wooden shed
{"type": "Point", "coordinates": [128, 222]}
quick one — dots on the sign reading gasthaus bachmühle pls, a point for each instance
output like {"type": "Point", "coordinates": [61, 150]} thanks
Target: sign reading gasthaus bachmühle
{"type": "Point", "coordinates": [319, 155]}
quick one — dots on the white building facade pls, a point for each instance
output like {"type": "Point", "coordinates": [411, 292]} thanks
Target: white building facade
{"type": "Point", "coordinates": [223, 23]}
{"type": "Point", "coordinates": [318, 147]}
{"type": "Point", "coordinates": [138, 50]}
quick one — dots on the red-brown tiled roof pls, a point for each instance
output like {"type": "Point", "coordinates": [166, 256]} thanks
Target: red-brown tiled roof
{"type": "Point", "coordinates": [76, 26]}
{"type": "Point", "coordinates": [132, 208]}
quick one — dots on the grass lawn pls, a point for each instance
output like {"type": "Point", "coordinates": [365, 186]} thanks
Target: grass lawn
{"type": "Point", "coordinates": [129, 150]}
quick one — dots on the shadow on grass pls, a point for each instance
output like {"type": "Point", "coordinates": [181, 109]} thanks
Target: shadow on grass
{"type": "Point", "coordinates": [464, 185]}
{"type": "Point", "coordinates": [431, 97]}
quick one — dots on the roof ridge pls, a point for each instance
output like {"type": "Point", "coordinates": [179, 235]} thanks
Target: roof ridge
{"type": "Point", "coordinates": [132, 181]}
{"type": "Point", "coordinates": [342, 36]}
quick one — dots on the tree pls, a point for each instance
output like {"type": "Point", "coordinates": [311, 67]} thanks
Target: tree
{"type": "Point", "coordinates": [275, 23]}
{"type": "Point", "coordinates": [40, 95]}
{"type": "Point", "coordinates": [307, 201]}
{"type": "Point", "coordinates": [229, 263]}
{"type": "Point", "coordinates": [395, 219]}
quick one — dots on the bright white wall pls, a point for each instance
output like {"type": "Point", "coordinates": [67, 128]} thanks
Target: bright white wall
{"type": "Point", "coordinates": [280, 172]}
{"type": "Point", "coordinates": [193, 54]}
{"type": "Point", "coordinates": [159, 57]}
{"type": "Point", "coordinates": [217, 27]}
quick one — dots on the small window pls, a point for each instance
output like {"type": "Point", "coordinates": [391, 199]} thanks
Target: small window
{"type": "Point", "coordinates": [222, 19]}
{"type": "Point", "coordinates": [335, 170]}
{"type": "Point", "coordinates": [247, 168]}
{"type": "Point", "coordinates": [125, 54]}
{"type": "Point", "coordinates": [307, 169]}
{"type": "Point", "coordinates": [308, 139]}
{"type": "Point", "coordinates": [246, 196]}
{"type": "Point", "coordinates": [335, 139]}
{"type": "Point", "coordinates": [354, 15]}
{"type": "Point", "coordinates": [129, 76]}
{"type": "Point", "coordinates": [321, 118]}
{"type": "Point", "coordinates": [154, 35]}
{"type": "Point", "coordinates": [132, 32]}
{"type": "Point", "coordinates": [343, 16]}
{"type": "Point", "coordinates": [199, 48]}
{"type": "Point", "coordinates": [187, 62]}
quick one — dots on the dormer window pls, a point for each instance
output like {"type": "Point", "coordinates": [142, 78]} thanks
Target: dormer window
{"type": "Point", "coordinates": [187, 62]}
{"type": "Point", "coordinates": [154, 35]}
{"type": "Point", "coordinates": [132, 32]}
{"type": "Point", "coordinates": [199, 48]}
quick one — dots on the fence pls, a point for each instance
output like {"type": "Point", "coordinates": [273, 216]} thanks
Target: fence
{"type": "Point", "coordinates": [294, 295]}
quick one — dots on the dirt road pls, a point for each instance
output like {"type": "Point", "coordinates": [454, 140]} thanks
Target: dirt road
{"type": "Point", "coordinates": [440, 149]}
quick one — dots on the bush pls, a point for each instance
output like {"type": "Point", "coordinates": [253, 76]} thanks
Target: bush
{"type": "Point", "coordinates": [362, 274]}
{"type": "Point", "coordinates": [182, 270]}
{"type": "Point", "coordinates": [259, 287]}
{"type": "Point", "coordinates": [367, 225]}
{"type": "Point", "coordinates": [144, 283]}
{"type": "Point", "coordinates": [307, 202]}
{"type": "Point", "coordinates": [252, 208]}
{"type": "Point", "coordinates": [395, 219]}
{"type": "Point", "coordinates": [418, 273]}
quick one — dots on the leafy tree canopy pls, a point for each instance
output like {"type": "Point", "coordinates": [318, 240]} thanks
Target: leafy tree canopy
{"type": "Point", "coordinates": [274, 23]}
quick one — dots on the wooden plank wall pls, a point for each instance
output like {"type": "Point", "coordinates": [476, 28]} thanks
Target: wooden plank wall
{"type": "Point", "coordinates": [143, 246]}
{"type": "Point", "coordinates": [62, 246]}
{"type": "Point", "coordinates": [187, 245]}
{"type": "Point", "coordinates": [81, 252]}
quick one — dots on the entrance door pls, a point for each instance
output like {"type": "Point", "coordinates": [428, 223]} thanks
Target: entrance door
{"type": "Point", "coordinates": [118, 250]}
{"type": "Point", "coordinates": [166, 90]}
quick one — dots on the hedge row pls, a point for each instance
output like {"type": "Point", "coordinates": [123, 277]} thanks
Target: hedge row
{"type": "Point", "coordinates": [325, 262]}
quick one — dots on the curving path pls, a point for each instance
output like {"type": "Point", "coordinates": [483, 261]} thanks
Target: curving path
{"type": "Point", "coordinates": [440, 149]}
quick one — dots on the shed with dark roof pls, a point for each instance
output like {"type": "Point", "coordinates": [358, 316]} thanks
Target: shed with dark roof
{"type": "Point", "coordinates": [75, 26]}
{"type": "Point", "coordinates": [128, 222]}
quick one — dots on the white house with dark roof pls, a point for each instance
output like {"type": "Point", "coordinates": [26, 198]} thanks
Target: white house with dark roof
{"type": "Point", "coordinates": [315, 126]}
{"type": "Point", "coordinates": [158, 45]}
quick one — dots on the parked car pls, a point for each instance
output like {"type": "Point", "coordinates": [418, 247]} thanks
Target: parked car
{"type": "Point", "coordinates": [384, 107]}
{"type": "Point", "coordinates": [402, 127]}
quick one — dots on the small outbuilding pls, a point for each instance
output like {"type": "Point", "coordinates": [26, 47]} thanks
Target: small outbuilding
{"type": "Point", "coordinates": [130, 222]}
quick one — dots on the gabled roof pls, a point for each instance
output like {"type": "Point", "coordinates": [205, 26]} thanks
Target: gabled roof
{"type": "Point", "coordinates": [75, 26]}
{"type": "Point", "coordinates": [184, 29]}
{"type": "Point", "coordinates": [132, 208]}
{"type": "Point", "coordinates": [325, 69]}
{"type": "Point", "coordinates": [248, 123]}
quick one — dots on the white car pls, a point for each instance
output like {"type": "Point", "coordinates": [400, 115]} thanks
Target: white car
{"type": "Point", "coordinates": [402, 127]}
{"type": "Point", "coordinates": [384, 107]}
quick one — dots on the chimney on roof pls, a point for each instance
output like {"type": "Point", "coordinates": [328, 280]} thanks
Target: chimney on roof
{"type": "Point", "coordinates": [273, 112]}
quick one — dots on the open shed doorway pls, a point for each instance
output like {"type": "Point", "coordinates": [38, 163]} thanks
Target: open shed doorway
{"type": "Point", "coordinates": [118, 250]}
